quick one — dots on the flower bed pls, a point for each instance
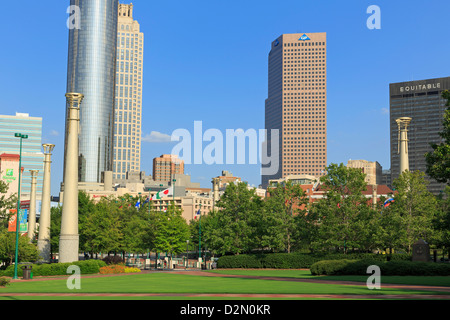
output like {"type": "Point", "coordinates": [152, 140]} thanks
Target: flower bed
{"type": "Point", "coordinates": [112, 269]}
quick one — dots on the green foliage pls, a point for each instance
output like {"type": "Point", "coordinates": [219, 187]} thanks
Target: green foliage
{"type": "Point", "coordinates": [232, 228]}
{"type": "Point", "coordinates": [411, 216]}
{"type": "Point", "coordinates": [438, 161]}
{"type": "Point", "coordinates": [27, 251]}
{"type": "Point", "coordinates": [170, 231]}
{"type": "Point", "coordinates": [4, 282]}
{"type": "Point", "coordinates": [343, 219]}
{"type": "Point", "coordinates": [297, 260]}
{"type": "Point", "coordinates": [56, 269]}
{"type": "Point", "coordinates": [6, 203]}
{"type": "Point", "coordinates": [389, 268]}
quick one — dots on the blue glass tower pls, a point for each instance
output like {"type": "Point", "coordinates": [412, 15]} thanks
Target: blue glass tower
{"type": "Point", "coordinates": [91, 72]}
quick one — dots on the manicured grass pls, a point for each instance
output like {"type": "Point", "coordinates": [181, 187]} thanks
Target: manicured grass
{"type": "Point", "coordinates": [440, 281]}
{"type": "Point", "coordinates": [167, 283]}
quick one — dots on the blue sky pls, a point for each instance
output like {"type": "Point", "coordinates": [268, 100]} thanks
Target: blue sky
{"type": "Point", "coordinates": [207, 60]}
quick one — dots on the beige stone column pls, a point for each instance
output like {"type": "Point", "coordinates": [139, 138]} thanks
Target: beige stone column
{"type": "Point", "coordinates": [403, 124]}
{"type": "Point", "coordinates": [44, 220]}
{"type": "Point", "coordinates": [69, 238]}
{"type": "Point", "coordinates": [32, 213]}
{"type": "Point", "coordinates": [374, 196]}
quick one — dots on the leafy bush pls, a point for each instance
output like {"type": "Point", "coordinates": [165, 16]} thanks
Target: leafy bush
{"type": "Point", "coordinates": [56, 269]}
{"type": "Point", "coordinates": [4, 282]}
{"type": "Point", "coordinates": [389, 268]}
{"type": "Point", "coordinates": [297, 260]}
{"type": "Point", "coordinates": [113, 260]}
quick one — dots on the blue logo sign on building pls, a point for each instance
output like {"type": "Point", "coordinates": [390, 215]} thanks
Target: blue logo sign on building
{"type": "Point", "coordinates": [304, 37]}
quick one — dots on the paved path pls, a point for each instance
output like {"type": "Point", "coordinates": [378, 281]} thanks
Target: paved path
{"type": "Point", "coordinates": [249, 296]}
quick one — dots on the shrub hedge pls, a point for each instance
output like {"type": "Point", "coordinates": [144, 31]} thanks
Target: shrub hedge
{"type": "Point", "coordinates": [387, 268]}
{"type": "Point", "coordinates": [296, 260]}
{"type": "Point", "coordinates": [56, 269]}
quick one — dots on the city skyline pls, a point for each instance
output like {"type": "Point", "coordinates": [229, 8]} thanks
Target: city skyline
{"type": "Point", "coordinates": [220, 82]}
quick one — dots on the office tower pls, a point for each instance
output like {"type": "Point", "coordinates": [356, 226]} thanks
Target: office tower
{"type": "Point", "coordinates": [91, 72]}
{"type": "Point", "coordinates": [166, 166]}
{"type": "Point", "coordinates": [422, 101]}
{"type": "Point", "coordinates": [32, 156]}
{"type": "Point", "coordinates": [128, 109]}
{"type": "Point", "coordinates": [372, 170]}
{"type": "Point", "coordinates": [297, 104]}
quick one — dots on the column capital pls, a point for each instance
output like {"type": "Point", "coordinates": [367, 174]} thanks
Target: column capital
{"type": "Point", "coordinates": [48, 148]}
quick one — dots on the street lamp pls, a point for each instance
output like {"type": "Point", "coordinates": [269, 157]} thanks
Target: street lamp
{"type": "Point", "coordinates": [173, 193]}
{"type": "Point", "coordinates": [21, 136]}
{"type": "Point", "coordinates": [200, 236]}
{"type": "Point", "coordinates": [187, 254]}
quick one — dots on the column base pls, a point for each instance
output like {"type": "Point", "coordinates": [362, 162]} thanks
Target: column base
{"type": "Point", "coordinates": [68, 248]}
{"type": "Point", "coordinates": [44, 250]}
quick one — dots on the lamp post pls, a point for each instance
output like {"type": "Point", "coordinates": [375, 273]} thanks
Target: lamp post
{"type": "Point", "coordinates": [173, 193]}
{"type": "Point", "coordinates": [187, 254]}
{"type": "Point", "coordinates": [21, 137]}
{"type": "Point", "coordinates": [200, 237]}
{"type": "Point", "coordinates": [160, 201]}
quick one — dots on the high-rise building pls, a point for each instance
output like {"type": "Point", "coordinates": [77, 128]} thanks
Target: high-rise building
{"type": "Point", "coordinates": [32, 156]}
{"type": "Point", "coordinates": [372, 169]}
{"type": "Point", "coordinates": [128, 109]}
{"type": "Point", "coordinates": [91, 71]}
{"type": "Point", "coordinates": [422, 102]}
{"type": "Point", "coordinates": [297, 104]}
{"type": "Point", "coordinates": [166, 166]}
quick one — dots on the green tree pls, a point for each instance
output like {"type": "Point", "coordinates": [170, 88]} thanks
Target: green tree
{"type": "Point", "coordinates": [135, 229]}
{"type": "Point", "coordinates": [414, 209]}
{"type": "Point", "coordinates": [170, 231]}
{"type": "Point", "coordinates": [27, 251]}
{"type": "Point", "coordinates": [277, 227]}
{"type": "Point", "coordinates": [101, 227]}
{"type": "Point", "coordinates": [234, 221]}
{"type": "Point", "coordinates": [438, 161]}
{"type": "Point", "coordinates": [55, 228]}
{"type": "Point", "coordinates": [6, 203]}
{"type": "Point", "coordinates": [343, 216]}
{"type": "Point", "coordinates": [442, 220]}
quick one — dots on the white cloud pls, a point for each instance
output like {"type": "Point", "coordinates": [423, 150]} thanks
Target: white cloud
{"type": "Point", "coordinates": [384, 111]}
{"type": "Point", "coordinates": [54, 133]}
{"type": "Point", "coordinates": [157, 137]}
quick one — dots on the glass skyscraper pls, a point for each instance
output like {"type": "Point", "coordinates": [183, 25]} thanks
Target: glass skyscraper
{"type": "Point", "coordinates": [91, 72]}
{"type": "Point", "coordinates": [32, 156]}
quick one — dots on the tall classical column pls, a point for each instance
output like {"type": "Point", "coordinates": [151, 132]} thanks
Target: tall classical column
{"type": "Point", "coordinates": [69, 237]}
{"type": "Point", "coordinates": [32, 214]}
{"type": "Point", "coordinates": [403, 124]}
{"type": "Point", "coordinates": [44, 220]}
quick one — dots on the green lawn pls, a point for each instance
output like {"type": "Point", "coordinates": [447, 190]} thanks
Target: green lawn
{"type": "Point", "coordinates": [441, 281]}
{"type": "Point", "coordinates": [167, 283]}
